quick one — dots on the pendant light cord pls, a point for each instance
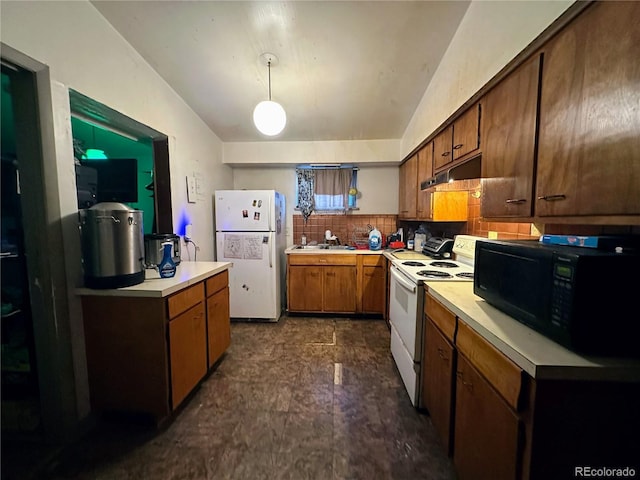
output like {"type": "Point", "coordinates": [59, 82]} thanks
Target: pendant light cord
{"type": "Point", "coordinates": [269, 65]}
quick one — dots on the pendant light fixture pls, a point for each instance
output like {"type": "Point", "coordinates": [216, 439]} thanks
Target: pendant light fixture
{"type": "Point", "coordinates": [269, 116]}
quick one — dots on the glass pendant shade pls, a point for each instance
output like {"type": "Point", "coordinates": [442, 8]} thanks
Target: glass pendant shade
{"type": "Point", "coordinates": [269, 117]}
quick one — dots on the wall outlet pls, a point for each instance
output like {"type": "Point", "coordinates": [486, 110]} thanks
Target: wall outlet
{"type": "Point", "coordinates": [493, 235]}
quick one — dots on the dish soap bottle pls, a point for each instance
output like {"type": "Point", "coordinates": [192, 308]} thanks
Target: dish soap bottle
{"type": "Point", "coordinates": [375, 240]}
{"type": "Point", "coordinates": [167, 267]}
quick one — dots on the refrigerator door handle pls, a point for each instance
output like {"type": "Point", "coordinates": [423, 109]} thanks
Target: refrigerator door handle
{"type": "Point", "coordinates": [269, 248]}
{"type": "Point", "coordinates": [270, 224]}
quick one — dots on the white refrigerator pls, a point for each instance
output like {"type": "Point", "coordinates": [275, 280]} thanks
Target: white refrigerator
{"type": "Point", "coordinates": [250, 233]}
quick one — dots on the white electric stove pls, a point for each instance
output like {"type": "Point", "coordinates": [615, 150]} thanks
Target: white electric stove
{"type": "Point", "coordinates": [450, 261]}
{"type": "Point", "coordinates": [436, 263]}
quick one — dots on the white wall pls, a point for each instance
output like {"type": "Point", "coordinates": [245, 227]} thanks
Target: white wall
{"type": "Point", "coordinates": [85, 53]}
{"type": "Point", "coordinates": [490, 35]}
{"type": "Point", "coordinates": [378, 186]}
{"type": "Point", "coordinates": [343, 151]}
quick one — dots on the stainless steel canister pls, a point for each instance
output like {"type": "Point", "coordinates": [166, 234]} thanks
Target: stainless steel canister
{"type": "Point", "coordinates": [112, 245]}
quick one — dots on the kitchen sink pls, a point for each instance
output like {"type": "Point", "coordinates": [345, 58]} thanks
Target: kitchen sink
{"type": "Point", "coordinates": [322, 246]}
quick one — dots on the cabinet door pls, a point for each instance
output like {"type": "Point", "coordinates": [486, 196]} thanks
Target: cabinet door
{"type": "Point", "coordinates": [466, 133]}
{"type": "Point", "coordinates": [448, 206]}
{"type": "Point", "coordinates": [437, 382]}
{"type": "Point", "coordinates": [373, 289]}
{"type": "Point", "coordinates": [425, 171]}
{"type": "Point", "coordinates": [589, 141]}
{"type": "Point", "coordinates": [509, 136]}
{"type": "Point", "coordinates": [305, 288]}
{"type": "Point", "coordinates": [339, 289]}
{"type": "Point", "coordinates": [188, 352]}
{"type": "Point", "coordinates": [486, 433]}
{"type": "Point", "coordinates": [409, 187]}
{"type": "Point", "coordinates": [442, 147]}
{"type": "Point", "coordinates": [218, 324]}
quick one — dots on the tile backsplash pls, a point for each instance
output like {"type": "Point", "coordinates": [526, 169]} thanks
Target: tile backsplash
{"type": "Point", "coordinates": [348, 228]}
{"type": "Point", "coordinates": [351, 227]}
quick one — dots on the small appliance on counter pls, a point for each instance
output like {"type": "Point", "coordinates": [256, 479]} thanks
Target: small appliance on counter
{"type": "Point", "coordinates": [438, 247]}
{"type": "Point", "coordinates": [154, 249]}
{"type": "Point", "coordinates": [112, 245]}
{"type": "Point", "coordinates": [578, 297]}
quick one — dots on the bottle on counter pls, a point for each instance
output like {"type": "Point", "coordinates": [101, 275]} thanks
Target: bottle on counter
{"type": "Point", "coordinates": [375, 240]}
{"type": "Point", "coordinates": [303, 240]}
{"type": "Point", "coordinates": [167, 267]}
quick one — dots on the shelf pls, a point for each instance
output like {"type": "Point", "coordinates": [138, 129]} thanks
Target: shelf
{"type": "Point", "coordinates": [9, 255]}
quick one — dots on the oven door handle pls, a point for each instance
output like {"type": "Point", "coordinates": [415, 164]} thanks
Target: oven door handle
{"type": "Point", "coordinates": [398, 277]}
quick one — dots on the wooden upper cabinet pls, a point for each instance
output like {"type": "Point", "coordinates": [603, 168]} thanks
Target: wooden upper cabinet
{"type": "Point", "coordinates": [425, 171]}
{"type": "Point", "coordinates": [458, 141]}
{"type": "Point", "coordinates": [589, 141]}
{"type": "Point", "coordinates": [408, 188]}
{"type": "Point", "coordinates": [509, 137]}
{"type": "Point", "coordinates": [442, 146]}
{"type": "Point", "coordinates": [466, 132]}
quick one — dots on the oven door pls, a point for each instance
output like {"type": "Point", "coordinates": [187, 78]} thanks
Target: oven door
{"type": "Point", "coordinates": [405, 306]}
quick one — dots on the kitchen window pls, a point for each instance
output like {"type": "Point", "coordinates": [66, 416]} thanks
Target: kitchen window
{"type": "Point", "coordinates": [326, 189]}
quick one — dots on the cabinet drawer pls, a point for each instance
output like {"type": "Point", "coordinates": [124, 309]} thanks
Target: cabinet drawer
{"type": "Point", "coordinates": [440, 316]}
{"type": "Point", "coordinates": [504, 375]}
{"type": "Point", "coordinates": [185, 299]}
{"type": "Point", "coordinates": [322, 259]}
{"type": "Point", "coordinates": [373, 260]}
{"type": "Point", "coordinates": [217, 282]}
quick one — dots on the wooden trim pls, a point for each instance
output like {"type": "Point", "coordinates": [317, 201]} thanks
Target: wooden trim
{"type": "Point", "coordinates": [322, 259]}
{"type": "Point", "coordinates": [595, 220]}
{"type": "Point", "coordinates": [163, 218]}
{"type": "Point", "coordinates": [547, 34]}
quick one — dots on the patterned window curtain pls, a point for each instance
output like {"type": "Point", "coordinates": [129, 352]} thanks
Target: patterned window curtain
{"type": "Point", "coordinates": [332, 189]}
{"type": "Point", "coordinates": [305, 191]}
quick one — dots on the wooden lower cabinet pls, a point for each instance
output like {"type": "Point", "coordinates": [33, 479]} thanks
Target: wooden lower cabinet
{"type": "Point", "coordinates": [336, 283]}
{"type": "Point", "coordinates": [218, 324]}
{"type": "Point", "coordinates": [374, 284]}
{"type": "Point", "coordinates": [305, 288]}
{"type": "Point", "coordinates": [188, 352]}
{"type": "Point", "coordinates": [438, 359]}
{"type": "Point", "coordinates": [486, 434]}
{"type": "Point", "coordinates": [339, 289]}
{"type": "Point", "coordinates": [146, 354]}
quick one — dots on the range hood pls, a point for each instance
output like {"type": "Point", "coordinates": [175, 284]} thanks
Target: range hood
{"type": "Point", "coordinates": [465, 171]}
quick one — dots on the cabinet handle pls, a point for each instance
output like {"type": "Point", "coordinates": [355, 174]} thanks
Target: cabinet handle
{"type": "Point", "coordinates": [331, 274]}
{"type": "Point", "coordinates": [458, 146]}
{"type": "Point", "coordinates": [552, 198]}
{"type": "Point", "coordinates": [442, 355]}
{"type": "Point", "coordinates": [446, 154]}
{"type": "Point", "coordinates": [469, 385]}
{"type": "Point", "coordinates": [516, 200]}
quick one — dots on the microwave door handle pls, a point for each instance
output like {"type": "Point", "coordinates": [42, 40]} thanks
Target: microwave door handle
{"type": "Point", "coordinates": [403, 283]}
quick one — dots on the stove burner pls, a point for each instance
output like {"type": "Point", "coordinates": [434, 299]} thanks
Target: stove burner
{"type": "Point", "coordinates": [443, 264]}
{"type": "Point", "coordinates": [464, 275]}
{"type": "Point", "coordinates": [411, 263]}
{"type": "Point", "coordinates": [433, 274]}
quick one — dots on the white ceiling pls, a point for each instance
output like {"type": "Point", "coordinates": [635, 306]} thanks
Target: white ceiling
{"type": "Point", "coordinates": [347, 70]}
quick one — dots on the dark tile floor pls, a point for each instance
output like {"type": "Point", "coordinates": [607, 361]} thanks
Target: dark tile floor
{"type": "Point", "coordinates": [306, 398]}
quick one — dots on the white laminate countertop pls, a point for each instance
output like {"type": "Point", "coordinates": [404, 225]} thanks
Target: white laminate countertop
{"type": "Point", "coordinates": [537, 355]}
{"type": "Point", "coordinates": [323, 251]}
{"type": "Point", "coordinates": [187, 273]}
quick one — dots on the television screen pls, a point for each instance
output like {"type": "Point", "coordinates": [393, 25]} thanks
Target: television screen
{"type": "Point", "coordinates": [117, 179]}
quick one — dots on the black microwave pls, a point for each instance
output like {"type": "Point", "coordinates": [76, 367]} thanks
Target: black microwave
{"type": "Point", "coordinates": [585, 299]}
